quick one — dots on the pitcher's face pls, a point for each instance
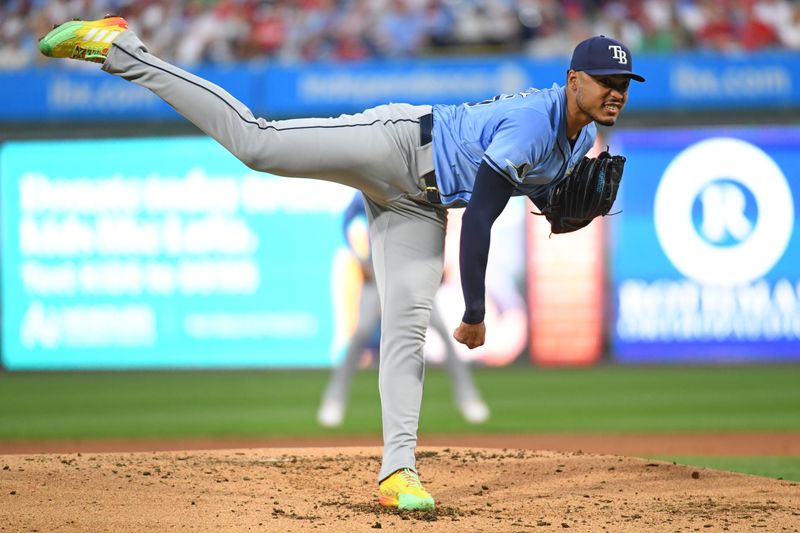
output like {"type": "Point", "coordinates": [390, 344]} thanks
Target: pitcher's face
{"type": "Point", "coordinates": [601, 97]}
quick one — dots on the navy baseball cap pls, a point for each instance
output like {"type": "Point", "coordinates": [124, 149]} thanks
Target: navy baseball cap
{"type": "Point", "coordinates": [603, 55]}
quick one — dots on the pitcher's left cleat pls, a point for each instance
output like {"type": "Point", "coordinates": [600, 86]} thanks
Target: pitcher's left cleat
{"type": "Point", "coordinates": [403, 490]}
{"type": "Point", "coordinates": [88, 40]}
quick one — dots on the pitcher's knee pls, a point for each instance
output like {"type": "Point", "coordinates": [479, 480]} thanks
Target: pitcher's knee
{"type": "Point", "coordinates": [261, 161]}
{"type": "Point", "coordinates": [408, 335]}
{"type": "Point", "coordinates": [258, 149]}
{"type": "Point", "coordinates": [251, 158]}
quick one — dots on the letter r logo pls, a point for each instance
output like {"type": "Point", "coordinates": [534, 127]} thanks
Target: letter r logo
{"type": "Point", "coordinates": [619, 54]}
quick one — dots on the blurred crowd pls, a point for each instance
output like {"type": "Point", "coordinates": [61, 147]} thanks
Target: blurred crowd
{"type": "Point", "coordinates": [190, 32]}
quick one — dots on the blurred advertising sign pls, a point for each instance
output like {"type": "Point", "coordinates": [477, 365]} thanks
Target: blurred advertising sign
{"type": "Point", "coordinates": [81, 92]}
{"type": "Point", "coordinates": [162, 253]}
{"type": "Point", "coordinates": [717, 81]}
{"type": "Point", "coordinates": [328, 87]}
{"type": "Point", "coordinates": [566, 292]}
{"type": "Point", "coordinates": [706, 254]}
{"type": "Point", "coordinates": [679, 81]}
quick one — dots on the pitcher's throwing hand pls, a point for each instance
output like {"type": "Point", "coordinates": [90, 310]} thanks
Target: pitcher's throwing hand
{"type": "Point", "coordinates": [471, 335]}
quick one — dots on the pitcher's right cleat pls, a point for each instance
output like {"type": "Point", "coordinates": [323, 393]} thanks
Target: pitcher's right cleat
{"type": "Point", "coordinates": [88, 40]}
{"type": "Point", "coordinates": [403, 490]}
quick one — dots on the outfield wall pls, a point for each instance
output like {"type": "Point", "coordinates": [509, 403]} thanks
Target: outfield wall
{"type": "Point", "coordinates": [167, 252]}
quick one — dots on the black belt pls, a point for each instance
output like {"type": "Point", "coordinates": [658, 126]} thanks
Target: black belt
{"type": "Point", "coordinates": [425, 137]}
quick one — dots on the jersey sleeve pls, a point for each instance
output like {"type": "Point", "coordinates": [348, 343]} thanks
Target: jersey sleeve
{"type": "Point", "coordinates": [489, 198]}
{"type": "Point", "coordinates": [521, 140]}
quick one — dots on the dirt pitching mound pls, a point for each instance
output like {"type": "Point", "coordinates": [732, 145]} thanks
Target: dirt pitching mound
{"type": "Point", "coordinates": [334, 489]}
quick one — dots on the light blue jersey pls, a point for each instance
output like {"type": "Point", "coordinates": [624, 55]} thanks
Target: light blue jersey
{"type": "Point", "coordinates": [522, 136]}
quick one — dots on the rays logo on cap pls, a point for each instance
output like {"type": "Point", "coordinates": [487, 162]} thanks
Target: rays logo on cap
{"type": "Point", "coordinates": [619, 54]}
{"type": "Point", "coordinates": [592, 57]}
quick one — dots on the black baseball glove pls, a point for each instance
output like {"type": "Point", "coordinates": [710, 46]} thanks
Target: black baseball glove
{"type": "Point", "coordinates": [587, 192]}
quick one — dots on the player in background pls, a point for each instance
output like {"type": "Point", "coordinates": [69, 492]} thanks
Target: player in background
{"type": "Point", "coordinates": [334, 400]}
{"type": "Point", "coordinates": [413, 163]}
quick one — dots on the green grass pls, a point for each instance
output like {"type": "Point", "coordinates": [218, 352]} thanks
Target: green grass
{"type": "Point", "coordinates": [768, 466]}
{"type": "Point", "coordinates": [652, 399]}
{"type": "Point", "coordinates": [610, 399]}
{"type": "Point", "coordinates": [283, 403]}
{"type": "Point", "coordinates": [257, 403]}
{"type": "Point", "coordinates": [168, 404]}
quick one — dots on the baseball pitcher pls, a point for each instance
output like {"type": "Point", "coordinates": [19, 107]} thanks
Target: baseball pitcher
{"type": "Point", "coordinates": [412, 162]}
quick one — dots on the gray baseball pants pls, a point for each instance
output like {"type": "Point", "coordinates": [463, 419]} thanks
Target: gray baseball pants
{"type": "Point", "coordinates": [377, 151]}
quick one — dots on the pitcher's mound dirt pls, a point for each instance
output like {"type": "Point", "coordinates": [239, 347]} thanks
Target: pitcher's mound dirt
{"type": "Point", "coordinates": [334, 489]}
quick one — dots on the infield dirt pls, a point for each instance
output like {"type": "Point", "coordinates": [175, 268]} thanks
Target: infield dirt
{"type": "Point", "coordinates": [334, 489]}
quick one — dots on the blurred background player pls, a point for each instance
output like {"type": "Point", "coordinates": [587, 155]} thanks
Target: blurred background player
{"type": "Point", "coordinates": [332, 409]}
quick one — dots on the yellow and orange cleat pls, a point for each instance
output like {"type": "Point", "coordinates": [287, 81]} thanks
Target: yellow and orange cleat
{"type": "Point", "coordinates": [88, 40]}
{"type": "Point", "coordinates": [403, 490]}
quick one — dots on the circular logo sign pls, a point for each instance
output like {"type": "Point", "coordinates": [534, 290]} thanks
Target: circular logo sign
{"type": "Point", "coordinates": [716, 171]}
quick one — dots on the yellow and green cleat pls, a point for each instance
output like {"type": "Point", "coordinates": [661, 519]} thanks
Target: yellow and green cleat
{"type": "Point", "coordinates": [403, 490]}
{"type": "Point", "coordinates": [88, 40]}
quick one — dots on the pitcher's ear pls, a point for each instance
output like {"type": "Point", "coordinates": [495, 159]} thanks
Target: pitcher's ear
{"type": "Point", "coordinates": [572, 79]}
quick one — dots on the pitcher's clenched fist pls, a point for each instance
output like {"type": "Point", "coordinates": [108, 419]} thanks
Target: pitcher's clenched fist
{"type": "Point", "coordinates": [471, 335]}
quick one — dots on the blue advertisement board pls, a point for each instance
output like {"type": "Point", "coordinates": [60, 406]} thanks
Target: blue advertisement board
{"type": "Point", "coordinates": [706, 81]}
{"type": "Point", "coordinates": [162, 253]}
{"type": "Point", "coordinates": [706, 252]}
{"type": "Point", "coordinates": [702, 81]}
{"type": "Point", "coordinates": [327, 88]}
{"type": "Point", "coordinates": [169, 253]}
{"type": "Point", "coordinates": [82, 92]}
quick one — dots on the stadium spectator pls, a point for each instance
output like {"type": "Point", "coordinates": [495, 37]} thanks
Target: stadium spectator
{"type": "Point", "coordinates": [789, 29]}
{"type": "Point", "coordinates": [218, 31]}
{"type": "Point", "coordinates": [401, 30]}
{"type": "Point", "coordinates": [268, 29]}
{"type": "Point", "coordinates": [718, 32]}
{"type": "Point", "coordinates": [754, 33]}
